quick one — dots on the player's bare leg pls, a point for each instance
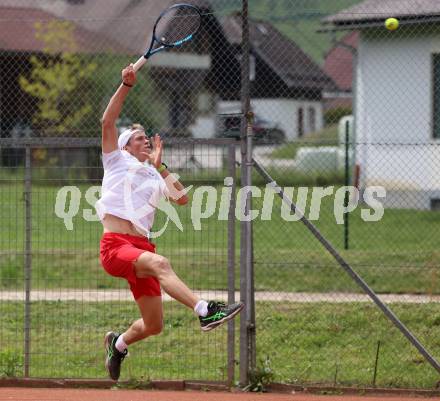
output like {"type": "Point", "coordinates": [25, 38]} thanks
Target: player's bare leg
{"type": "Point", "coordinates": [150, 324]}
{"type": "Point", "coordinates": [151, 264]}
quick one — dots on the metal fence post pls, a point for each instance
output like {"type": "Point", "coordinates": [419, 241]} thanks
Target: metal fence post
{"type": "Point", "coordinates": [231, 263]}
{"type": "Point", "coordinates": [244, 226]}
{"type": "Point", "coordinates": [244, 360]}
{"type": "Point", "coordinates": [346, 183]}
{"type": "Point", "coordinates": [250, 288]}
{"type": "Point", "coordinates": [27, 259]}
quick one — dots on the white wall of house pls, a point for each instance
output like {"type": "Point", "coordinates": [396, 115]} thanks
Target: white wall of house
{"type": "Point", "coordinates": [203, 127]}
{"type": "Point", "coordinates": [283, 112]}
{"type": "Point", "coordinates": [394, 108]}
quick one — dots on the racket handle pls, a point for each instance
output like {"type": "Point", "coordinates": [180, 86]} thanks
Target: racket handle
{"type": "Point", "coordinates": [138, 64]}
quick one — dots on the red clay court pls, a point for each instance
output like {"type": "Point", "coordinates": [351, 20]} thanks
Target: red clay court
{"type": "Point", "coordinates": [41, 394]}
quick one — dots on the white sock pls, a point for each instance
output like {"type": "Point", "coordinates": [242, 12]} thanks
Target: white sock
{"type": "Point", "coordinates": [120, 344]}
{"type": "Point", "coordinates": [201, 308]}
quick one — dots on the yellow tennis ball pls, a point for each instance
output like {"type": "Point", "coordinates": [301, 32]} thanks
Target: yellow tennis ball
{"type": "Point", "coordinates": [392, 24]}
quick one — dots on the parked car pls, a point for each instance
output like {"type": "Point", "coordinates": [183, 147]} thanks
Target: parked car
{"type": "Point", "coordinates": [265, 132]}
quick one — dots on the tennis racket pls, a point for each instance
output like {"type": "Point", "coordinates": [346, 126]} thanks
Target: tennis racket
{"type": "Point", "coordinates": [175, 26]}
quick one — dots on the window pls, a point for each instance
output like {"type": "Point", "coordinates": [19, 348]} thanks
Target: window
{"type": "Point", "coordinates": [262, 29]}
{"type": "Point", "coordinates": [312, 119]}
{"type": "Point", "coordinates": [436, 95]}
{"type": "Point", "coordinates": [435, 204]}
{"type": "Point", "coordinates": [179, 111]}
{"type": "Point", "coordinates": [300, 122]}
{"type": "Point", "coordinates": [204, 102]}
{"type": "Point", "coordinates": [252, 68]}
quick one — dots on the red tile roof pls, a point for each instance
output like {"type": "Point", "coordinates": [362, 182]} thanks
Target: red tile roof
{"type": "Point", "coordinates": [338, 63]}
{"type": "Point", "coordinates": [18, 33]}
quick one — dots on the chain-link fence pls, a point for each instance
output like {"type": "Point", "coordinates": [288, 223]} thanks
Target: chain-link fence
{"type": "Point", "coordinates": [388, 245]}
{"type": "Point", "coordinates": [345, 120]}
{"type": "Point", "coordinates": [56, 299]}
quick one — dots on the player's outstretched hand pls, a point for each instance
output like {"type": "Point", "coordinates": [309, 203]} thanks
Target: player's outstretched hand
{"type": "Point", "coordinates": [156, 155]}
{"type": "Point", "coordinates": [129, 75]}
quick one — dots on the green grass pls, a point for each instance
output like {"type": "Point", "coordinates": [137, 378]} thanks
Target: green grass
{"type": "Point", "coordinates": [330, 343]}
{"type": "Point", "coordinates": [304, 343]}
{"type": "Point", "coordinates": [397, 254]}
{"type": "Point", "coordinates": [326, 137]}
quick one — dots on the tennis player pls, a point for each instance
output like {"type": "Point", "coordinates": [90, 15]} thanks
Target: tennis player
{"type": "Point", "coordinates": [136, 179]}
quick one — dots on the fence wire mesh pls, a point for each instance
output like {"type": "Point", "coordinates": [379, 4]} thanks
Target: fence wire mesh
{"type": "Point", "coordinates": [74, 303]}
{"type": "Point", "coordinates": [346, 121]}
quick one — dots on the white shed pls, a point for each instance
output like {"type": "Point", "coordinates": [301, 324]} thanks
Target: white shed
{"type": "Point", "coordinates": [397, 99]}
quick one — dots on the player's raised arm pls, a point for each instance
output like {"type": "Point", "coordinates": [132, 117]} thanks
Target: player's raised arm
{"type": "Point", "coordinates": [113, 110]}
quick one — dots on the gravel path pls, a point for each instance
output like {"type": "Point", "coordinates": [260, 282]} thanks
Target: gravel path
{"type": "Point", "coordinates": [86, 295]}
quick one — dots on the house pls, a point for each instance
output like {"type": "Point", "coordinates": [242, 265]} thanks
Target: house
{"type": "Point", "coordinates": [286, 84]}
{"type": "Point", "coordinates": [397, 98]}
{"type": "Point", "coordinates": [18, 42]}
{"type": "Point", "coordinates": [204, 79]}
{"type": "Point", "coordinates": [192, 85]}
{"type": "Point", "coordinates": [177, 77]}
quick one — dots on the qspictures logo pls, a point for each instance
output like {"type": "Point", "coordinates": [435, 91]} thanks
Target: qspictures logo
{"type": "Point", "coordinates": [214, 202]}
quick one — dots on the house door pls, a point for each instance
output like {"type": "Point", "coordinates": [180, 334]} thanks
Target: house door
{"type": "Point", "coordinates": [300, 122]}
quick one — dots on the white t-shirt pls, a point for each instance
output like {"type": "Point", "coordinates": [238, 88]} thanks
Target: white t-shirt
{"type": "Point", "coordinates": [130, 190]}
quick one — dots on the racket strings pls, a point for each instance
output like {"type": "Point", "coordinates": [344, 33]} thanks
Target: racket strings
{"type": "Point", "coordinates": [177, 25]}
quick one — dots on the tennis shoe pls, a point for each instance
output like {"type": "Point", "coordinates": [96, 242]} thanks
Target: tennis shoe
{"type": "Point", "coordinates": [219, 313]}
{"type": "Point", "coordinates": [114, 357]}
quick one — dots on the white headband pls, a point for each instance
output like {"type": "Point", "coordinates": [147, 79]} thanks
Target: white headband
{"type": "Point", "coordinates": [125, 137]}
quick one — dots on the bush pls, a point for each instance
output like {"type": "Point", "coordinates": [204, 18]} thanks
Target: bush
{"type": "Point", "coordinates": [334, 115]}
{"type": "Point", "coordinates": [11, 363]}
{"type": "Point", "coordinates": [261, 377]}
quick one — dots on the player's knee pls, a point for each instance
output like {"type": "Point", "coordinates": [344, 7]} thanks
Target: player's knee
{"type": "Point", "coordinates": [156, 266]}
{"type": "Point", "coordinates": [156, 329]}
{"type": "Point", "coordinates": [163, 265]}
{"type": "Point", "coordinates": [153, 329]}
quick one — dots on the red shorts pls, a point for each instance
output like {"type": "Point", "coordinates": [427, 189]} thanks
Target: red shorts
{"type": "Point", "coordinates": [118, 252]}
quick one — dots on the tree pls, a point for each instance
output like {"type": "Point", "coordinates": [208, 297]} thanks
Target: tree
{"type": "Point", "coordinates": [60, 81]}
